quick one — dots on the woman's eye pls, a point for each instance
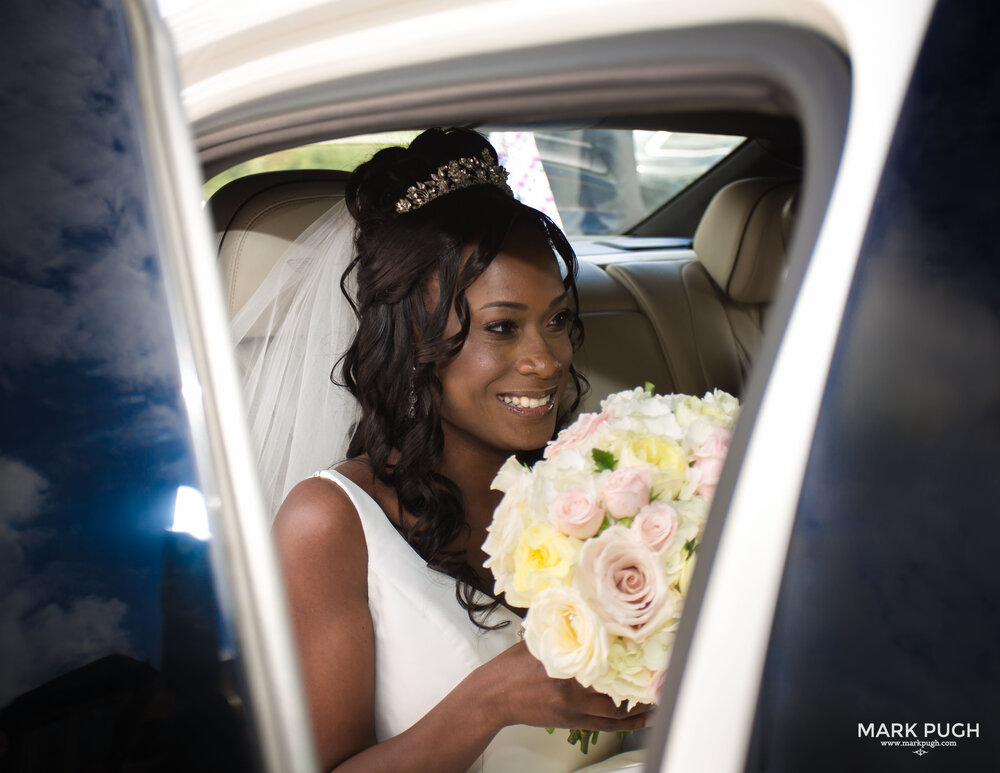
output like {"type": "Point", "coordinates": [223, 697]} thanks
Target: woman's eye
{"type": "Point", "coordinates": [502, 327]}
{"type": "Point", "coordinates": [562, 320]}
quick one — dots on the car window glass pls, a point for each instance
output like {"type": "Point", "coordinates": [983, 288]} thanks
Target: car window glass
{"type": "Point", "coordinates": [117, 651]}
{"type": "Point", "coordinates": [590, 181]}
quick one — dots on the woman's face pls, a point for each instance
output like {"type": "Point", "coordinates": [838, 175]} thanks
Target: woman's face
{"type": "Point", "coordinates": [502, 391]}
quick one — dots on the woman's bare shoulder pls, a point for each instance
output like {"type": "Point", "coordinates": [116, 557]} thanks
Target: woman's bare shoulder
{"type": "Point", "coordinates": [318, 519]}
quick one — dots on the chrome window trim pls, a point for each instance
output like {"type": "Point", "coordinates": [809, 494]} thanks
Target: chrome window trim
{"type": "Point", "coordinates": [716, 699]}
{"type": "Point", "coordinates": [242, 548]}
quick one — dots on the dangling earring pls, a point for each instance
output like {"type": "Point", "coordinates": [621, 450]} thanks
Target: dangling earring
{"type": "Point", "coordinates": [411, 399]}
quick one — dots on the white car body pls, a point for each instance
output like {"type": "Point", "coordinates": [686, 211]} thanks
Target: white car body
{"type": "Point", "coordinates": [237, 66]}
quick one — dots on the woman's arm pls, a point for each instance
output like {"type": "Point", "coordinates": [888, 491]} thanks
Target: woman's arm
{"type": "Point", "coordinates": [324, 558]}
{"type": "Point", "coordinates": [324, 555]}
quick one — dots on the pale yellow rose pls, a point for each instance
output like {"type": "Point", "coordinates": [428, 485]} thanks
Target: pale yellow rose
{"type": "Point", "coordinates": [542, 558]}
{"type": "Point", "coordinates": [664, 456]}
{"type": "Point", "coordinates": [563, 632]}
{"type": "Point", "coordinates": [663, 453]}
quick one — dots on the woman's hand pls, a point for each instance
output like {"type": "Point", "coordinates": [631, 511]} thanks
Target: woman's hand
{"type": "Point", "coordinates": [521, 693]}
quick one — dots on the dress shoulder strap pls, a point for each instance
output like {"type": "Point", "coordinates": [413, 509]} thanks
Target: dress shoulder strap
{"type": "Point", "coordinates": [384, 542]}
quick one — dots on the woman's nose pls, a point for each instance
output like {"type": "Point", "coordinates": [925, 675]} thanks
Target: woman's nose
{"type": "Point", "coordinates": [538, 359]}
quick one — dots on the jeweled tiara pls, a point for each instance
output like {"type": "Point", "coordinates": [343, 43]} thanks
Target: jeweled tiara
{"type": "Point", "coordinates": [453, 176]}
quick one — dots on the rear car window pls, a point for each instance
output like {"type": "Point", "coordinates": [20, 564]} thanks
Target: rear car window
{"type": "Point", "coordinates": [590, 181]}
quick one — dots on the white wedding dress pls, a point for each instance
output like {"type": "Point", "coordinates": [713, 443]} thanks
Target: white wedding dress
{"type": "Point", "coordinates": [425, 645]}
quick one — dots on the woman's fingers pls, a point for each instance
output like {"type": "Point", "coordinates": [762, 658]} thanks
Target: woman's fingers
{"type": "Point", "coordinates": [543, 701]}
{"type": "Point", "coordinates": [599, 712]}
{"type": "Point", "coordinates": [608, 725]}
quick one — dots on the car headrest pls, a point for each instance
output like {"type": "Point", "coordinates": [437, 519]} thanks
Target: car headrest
{"type": "Point", "coordinates": [742, 237]}
{"type": "Point", "coordinates": [257, 217]}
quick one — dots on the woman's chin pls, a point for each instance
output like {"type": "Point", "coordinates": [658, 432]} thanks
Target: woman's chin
{"type": "Point", "coordinates": [528, 440]}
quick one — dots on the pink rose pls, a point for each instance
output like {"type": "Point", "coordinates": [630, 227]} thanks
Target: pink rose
{"type": "Point", "coordinates": [655, 687]}
{"type": "Point", "coordinates": [576, 514]}
{"type": "Point", "coordinates": [709, 471]}
{"type": "Point", "coordinates": [626, 491]}
{"type": "Point", "coordinates": [656, 525]}
{"type": "Point", "coordinates": [626, 583]}
{"type": "Point", "coordinates": [709, 458]}
{"type": "Point", "coordinates": [581, 429]}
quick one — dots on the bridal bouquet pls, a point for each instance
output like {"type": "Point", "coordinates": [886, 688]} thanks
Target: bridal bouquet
{"type": "Point", "coordinates": [598, 539]}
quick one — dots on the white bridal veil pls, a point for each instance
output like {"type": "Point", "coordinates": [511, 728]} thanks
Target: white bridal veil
{"type": "Point", "coordinates": [290, 334]}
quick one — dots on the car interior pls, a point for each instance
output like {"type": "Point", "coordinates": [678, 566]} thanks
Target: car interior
{"type": "Point", "coordinates": [680, 299]}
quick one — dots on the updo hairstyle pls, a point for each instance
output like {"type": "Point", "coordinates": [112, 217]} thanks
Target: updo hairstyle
{"type": "Point", "coordinates": [400, 340]}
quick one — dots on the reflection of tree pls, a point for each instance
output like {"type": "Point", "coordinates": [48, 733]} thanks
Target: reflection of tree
{"type": "Point", "coordinates": [608, 209]}
{"type": "Point", "coordinates": [120, 714]}
{"type": "Point", "coordinates": [593, 177]}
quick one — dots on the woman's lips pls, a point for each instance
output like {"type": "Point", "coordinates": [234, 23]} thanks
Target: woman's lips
{"type": "Point", "coordinates": [527, 404]}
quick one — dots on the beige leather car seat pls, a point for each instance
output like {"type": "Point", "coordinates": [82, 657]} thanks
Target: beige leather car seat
{"type": "Point", "coordinates": [621, 348]}
{"type": "Point", "coordinates": [257, 217]}
{"type": "Point", "coordinates": [708, 313]}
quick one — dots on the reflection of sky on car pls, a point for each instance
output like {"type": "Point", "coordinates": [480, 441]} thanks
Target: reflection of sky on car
{"type": "Point", "coordinates": [607, 180]}
{"type": "Point", "coordinates": [94, 444]}
{"type": "Point", "coordinates": [677, 154]}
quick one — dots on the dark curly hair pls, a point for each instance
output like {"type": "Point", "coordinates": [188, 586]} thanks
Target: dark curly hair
{"type": "Point", "coordinates": [400, 341]}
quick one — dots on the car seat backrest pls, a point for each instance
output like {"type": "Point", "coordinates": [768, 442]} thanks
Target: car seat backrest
{"type": "Point", "coordinates": [621, 348]}
{"type": "Point", "coordinates": [741, 239]}
{"type": "Point", "coordinates": [257, 217]}
{"type": "Point", "coordinates": [708, 312]}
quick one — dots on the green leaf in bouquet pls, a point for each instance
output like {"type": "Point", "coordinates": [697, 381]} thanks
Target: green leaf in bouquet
{"type": "Point", "coordinates": [605, 524]}
{"type": "Point", "coordinates": [605, 460]}
{"type": "Point", "coordinates": [690, 546]}
{"type": "Point", "coordinates": [648, 387]}
{"type": "Point", "coordinates": [626, 521]}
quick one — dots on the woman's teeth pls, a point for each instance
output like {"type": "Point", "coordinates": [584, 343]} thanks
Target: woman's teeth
{"type": "Point", "coordinates": [526, 402]}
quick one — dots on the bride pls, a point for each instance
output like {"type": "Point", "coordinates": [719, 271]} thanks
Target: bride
{"type": "Point", "coordinates": [461, 356]}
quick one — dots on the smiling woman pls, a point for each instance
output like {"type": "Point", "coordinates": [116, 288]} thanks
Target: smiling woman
{"type": "Point", "coordinates": [502, 388]}
{"type": "Point", "coordinates": [466, 331]}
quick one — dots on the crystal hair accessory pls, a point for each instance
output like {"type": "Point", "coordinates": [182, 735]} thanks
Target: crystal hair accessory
{"type": "Point", "coordinates": [453, 176]}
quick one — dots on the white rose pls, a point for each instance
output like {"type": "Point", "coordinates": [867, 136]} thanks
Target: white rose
{"type": "Point", "coordinates": [728, 404]}
{"type": "Point", "coordinates": [511, 476]}
{"type": "Point", "coordinates": [563, 632]}
{"type": "Point", "coordinates": [502, 537]}
{"type": "Point", "coordinates": [509, 520]}
{"type": "Point", "coordinates": [635, 671]}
